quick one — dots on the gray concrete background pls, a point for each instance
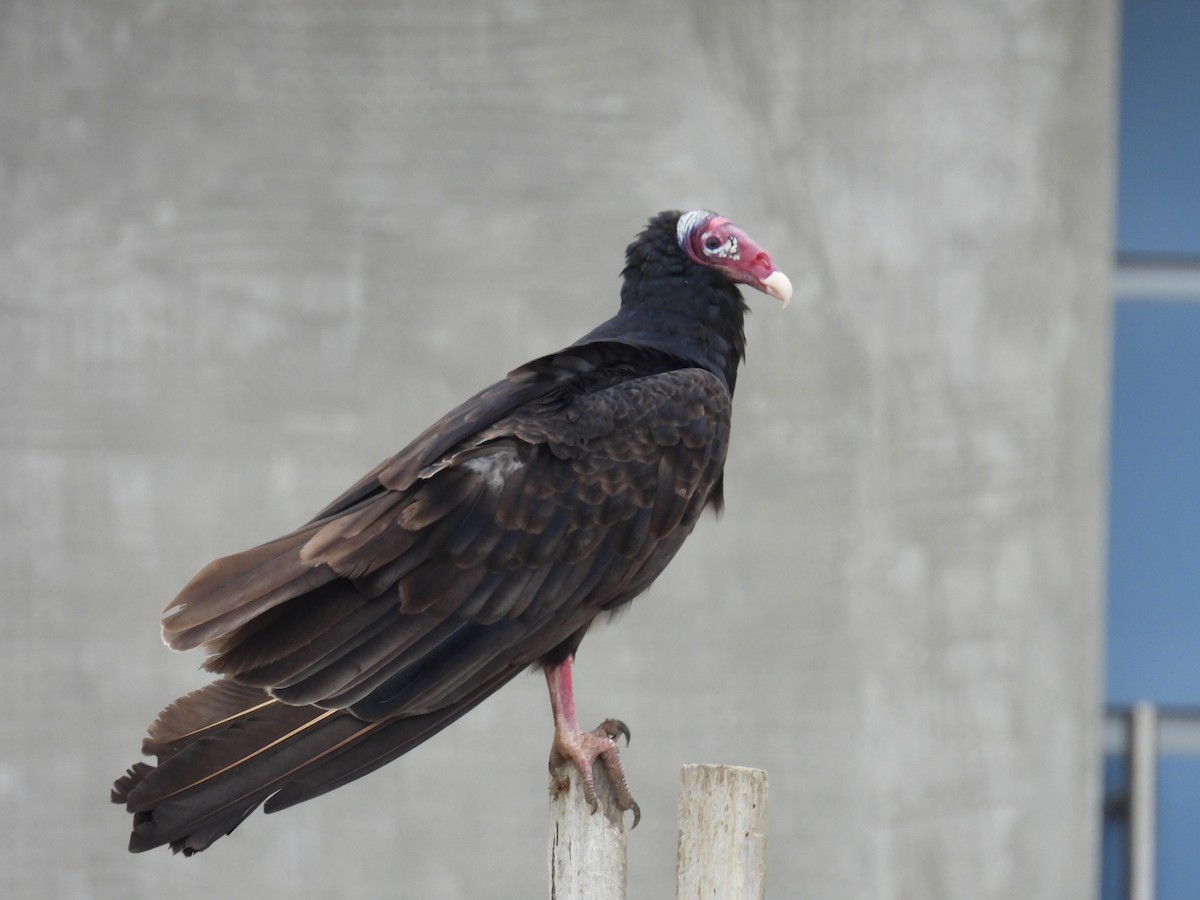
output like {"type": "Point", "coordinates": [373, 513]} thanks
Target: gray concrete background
{"type": "Point", "coordinates": [249, 249]}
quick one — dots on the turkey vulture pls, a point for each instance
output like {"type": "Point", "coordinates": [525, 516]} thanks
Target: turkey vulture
{"type": "Point", "coordinates": [486, 546]}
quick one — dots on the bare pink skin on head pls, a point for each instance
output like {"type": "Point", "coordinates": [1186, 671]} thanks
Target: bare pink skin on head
{"type": "Point", "coordinates": [713, 240]}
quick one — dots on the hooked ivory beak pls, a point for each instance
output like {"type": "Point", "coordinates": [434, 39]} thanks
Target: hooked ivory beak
{"type": "Point", "coordinates": [778, 286]}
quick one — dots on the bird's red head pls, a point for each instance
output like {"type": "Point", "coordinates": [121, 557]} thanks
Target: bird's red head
{"type": "Point", "coordinates": [713, 240]}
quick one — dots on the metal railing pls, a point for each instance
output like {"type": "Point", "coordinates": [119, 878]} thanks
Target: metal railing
{"type": "Point", "coordinates": [1141, 276]}
{"type": "Point", "coordinates": [1141, 733]}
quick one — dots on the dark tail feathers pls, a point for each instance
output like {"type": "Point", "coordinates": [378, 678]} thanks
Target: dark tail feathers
{"type": "Point", "coordinates": [225, 749]}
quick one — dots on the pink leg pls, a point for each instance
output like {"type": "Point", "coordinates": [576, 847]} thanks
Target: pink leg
{"type": "Point", "coordinates": [583, 748]}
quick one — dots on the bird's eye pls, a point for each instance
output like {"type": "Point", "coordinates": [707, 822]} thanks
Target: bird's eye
{"type": "Point", "coordinates": [711, 243]}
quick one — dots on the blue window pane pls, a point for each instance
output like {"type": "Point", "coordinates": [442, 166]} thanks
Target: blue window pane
{"type": "Point", "coordinates": [1178, 857]}
{"type": "Point", "coordinates": [1154, 505]}
{"type": "Point", "coordinates": [1158, 187]}
{"type": "Point", "coordinates": [1114, 836]}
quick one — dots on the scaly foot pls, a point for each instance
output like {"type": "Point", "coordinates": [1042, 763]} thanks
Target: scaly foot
{"type": "Point", "coordinates": [583, 748]}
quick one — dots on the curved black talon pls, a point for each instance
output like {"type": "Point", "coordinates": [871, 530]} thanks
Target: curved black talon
{"type": "Point", "coordinates": [614, 728]}
{"type": "Point", "coordinates": [637, 814]}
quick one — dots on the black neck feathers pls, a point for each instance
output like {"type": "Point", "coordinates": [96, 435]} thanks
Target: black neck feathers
{"type": "Point", "coordinates": [676, 305]}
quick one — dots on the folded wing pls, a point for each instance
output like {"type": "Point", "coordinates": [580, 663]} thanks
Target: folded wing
{"type": "Point", "coordinates": [408, 599]}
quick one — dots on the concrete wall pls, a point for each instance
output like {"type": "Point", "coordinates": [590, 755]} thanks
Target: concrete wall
{"type": "Point", "coordinates": [249, 249]}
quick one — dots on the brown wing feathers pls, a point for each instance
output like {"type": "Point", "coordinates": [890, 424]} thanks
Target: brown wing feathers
{"type": "Point", "coordinates": [423, 589]}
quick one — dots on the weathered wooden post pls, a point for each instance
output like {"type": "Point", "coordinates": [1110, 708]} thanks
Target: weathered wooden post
{"type": "Point", "coordinates": [722, 833]}
{"type": "Point", "coordinates": [722, 836]}
{"type": "Point", "coordinates": [587, 852]}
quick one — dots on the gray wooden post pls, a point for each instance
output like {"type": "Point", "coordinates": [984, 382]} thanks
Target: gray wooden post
{"type": "Point", "coordinates": [722, 833]}
{"type": "Point", "coordinates": [587, 852]}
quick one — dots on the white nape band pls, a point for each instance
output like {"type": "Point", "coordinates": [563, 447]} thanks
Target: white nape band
{"type": "Point", "coordinates": [688, 221]}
